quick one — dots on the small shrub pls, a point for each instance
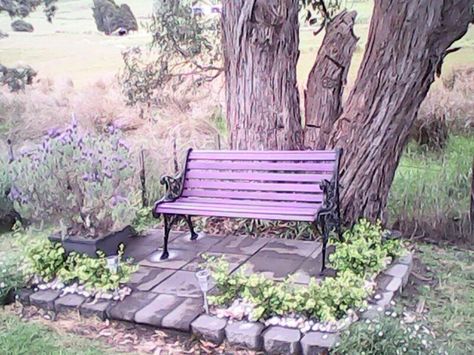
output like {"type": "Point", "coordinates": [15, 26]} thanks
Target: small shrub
{"type": "Point", "coordinates": [84, 181]}
{"type": "Point", "coordinates": [11, 278]}
{"type": "Point", "coordinates": [388, 336]}
{"type": "Point", "coordinates": [44, 258]}
{"type": "Point", "coordinates": [364, 250]}
{"type": "Point", "coordinates": [5, 183]}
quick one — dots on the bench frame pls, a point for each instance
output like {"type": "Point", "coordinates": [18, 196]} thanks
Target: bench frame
{"type": "Point", "coordinates": [328, 218]}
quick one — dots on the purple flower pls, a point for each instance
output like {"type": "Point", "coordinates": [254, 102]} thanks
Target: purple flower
{"type": "Point", "coordinates": [53, 132]}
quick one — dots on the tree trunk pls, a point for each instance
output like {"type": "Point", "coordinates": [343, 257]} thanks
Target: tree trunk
{"type": "Point", "coordinates": [260, 43]}
{"type": "Point", "coordinates": [407, 40]}
{"type": "Point", "coordinates": [326, 81]}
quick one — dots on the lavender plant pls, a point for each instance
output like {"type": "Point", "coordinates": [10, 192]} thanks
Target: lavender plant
{"type": "Point", "coordinates": [82, 182]}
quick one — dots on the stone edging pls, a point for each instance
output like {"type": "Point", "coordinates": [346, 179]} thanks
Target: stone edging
{"type": "Point", "coordinates": [276, 339]}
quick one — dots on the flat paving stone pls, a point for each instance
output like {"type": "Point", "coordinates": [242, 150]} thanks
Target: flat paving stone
{"type": "Point", "coordinates": [145, 278]}
{"type": "Point", "coordinates": [126, 309]}
{"type": "Point", "coordinates": [181, 284]}
{"type": "Point", "coordinates": [288, 247]}
{"type": "Point", "coordinates": [318, 342]}
{"type": "Point", "coordinates": [201, 244]}
{"type": "Point", "coordinates": [153, 313]}
{"type": "Point", "coordinates": [182, 316]}
{"type": "Point", "coordinates": [209, 328]}
{"type": "Point", "coordinates": [234, 260]}
{"type": "Point", "coordinates": [142, 246]}
{"type": "Point", "coordinates": [69, 302]}
{"type": "Point", "coordinates": [272, 265]}
{"type": "Point", "coordinates": [44, 299]}
{"type": "Point", "coordinates": [95, 309]}
{"type": "Point", "coordinates": [384, 299]}
{"type": "Point", "coordinates": [280, 340]}
{"type": "Point", "coordinates": [239, 245]}
{"type": "Point", "coordinates": [311, 267]}
{"type": "Point", "coordinates": [176, 260]}
{"type": "Point", "coordinates": [245, 334]}
{"type": "Point", "coordinates": [399, 270]}
{"type": "Point", "coordinates": [388, 283]}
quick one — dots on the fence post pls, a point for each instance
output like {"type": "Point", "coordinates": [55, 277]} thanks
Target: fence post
{"type": "Point", "coordinates": [143, 178]}
{"type": "Point", "coordinates": [175, 156]}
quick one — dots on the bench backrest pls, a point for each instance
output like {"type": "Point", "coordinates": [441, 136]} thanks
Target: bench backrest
{"type": "Point", "coordinates": [292, 176]}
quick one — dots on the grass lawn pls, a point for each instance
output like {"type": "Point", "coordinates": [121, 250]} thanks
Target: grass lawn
{"type": "Point", "coordinates": [18, 337]}
{"type": "Point", "coordinates": [448, 297]}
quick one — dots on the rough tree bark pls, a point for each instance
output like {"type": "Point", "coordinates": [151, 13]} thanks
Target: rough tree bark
{"type": "Point", "coordinates": [326, 81]}
{"type": "Point", "coordinates": [260, 43]}
{"type": "Point", "coordinates": [407, 40]}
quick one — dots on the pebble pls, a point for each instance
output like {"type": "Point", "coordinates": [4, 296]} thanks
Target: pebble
{"type": "Point", "coordinates": [378, 297]}
{"type": "Point", "coordinates": [273, 321]}
{"type": "Point", "coordinates": [43, 286]}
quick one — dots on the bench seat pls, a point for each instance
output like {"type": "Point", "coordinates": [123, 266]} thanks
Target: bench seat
{"type": "Point", "coordinates": [268, 185]}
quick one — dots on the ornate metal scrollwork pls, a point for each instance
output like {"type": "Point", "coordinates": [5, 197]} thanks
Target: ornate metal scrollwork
{"type": "Point", "coordinates": [173, 187]}
{"type": "Point", "coordinates": [330, 208]}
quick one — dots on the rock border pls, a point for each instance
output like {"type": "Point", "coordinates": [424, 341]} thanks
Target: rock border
{"type": "Point", "coordinates": [273, 339]}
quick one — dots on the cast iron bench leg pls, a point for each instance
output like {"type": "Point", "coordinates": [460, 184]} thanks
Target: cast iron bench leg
{"type": "Point", "coordinates": [194, 235]}
{"type": "Point", "coordinates": [165, 254]}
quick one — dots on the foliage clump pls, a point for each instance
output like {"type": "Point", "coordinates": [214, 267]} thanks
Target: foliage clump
{"type": "Point", "coordinates": [84, 181]}
{"type": "Point", "coordinates": [386, 335]}
{"type": "Point", "coordinates": [109, 17]}
{"type": "Point", "coordinates": [22, 8]}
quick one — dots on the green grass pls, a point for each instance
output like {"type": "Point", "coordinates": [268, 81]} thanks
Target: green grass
{"type": "Point", "coordinates": [450, 304]}
{"type": "Point", "coordinates": [434, 187]}
{"type": "Point", "coordinates": [18, 337]}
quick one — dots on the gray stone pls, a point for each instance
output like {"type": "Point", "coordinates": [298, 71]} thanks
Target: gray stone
{"type": "Point", "coordinates": [126, 309]}
{"type": "Point", "coordinates": [394, 285]}
{"type": "Point", "coordinates": [145, 245]}
{"type": "Point", "coordinates": [97, 309]}
{"type": "Point", "coordinates": [23, 296]}
{"type": "Point", "coordinates": [44, 299]}
{"type": "Point", "coordinates": [209, 328]}
{"type": "Point", "coordinates": [388, 283]}
{"type": "Point", "coordinates": [288, 247]}
{"type": "Point", "coordinates": [176, 260]}
{"type": "Point", "coordinates": [245, 334]}
{"type": "Point", "coordinates": [181, 317]}
{"type": "Point", "coordinates": [386, 298]}
{"type": "Point", "coordinates": [280, 340]}
{"type": "Point", "coordinates": [265, 264]}
{"type": "Point", "coordinates": [69, 302]}
{"type": "Point", "coordinates": [153, 313]}
{"type": "Point", "coordinates": [406, 259]}
{"type": "Point", "coordinates": [239, 245]}
{"type": "Point", "coordinates": [181, 284]}
{"type": "Point", "coordinates": [22, 26]}
{"type": "Point", "coordinates": [372, 314]}
{"type": "Point", "coordinates": [318, 342]}
{"type": "Point", "coordinates": [399, 270]}
{"type": "Point", "coordinates": [148, 277]}
{"type": "Point", "coordinates": [234, 260]}
{"type": "Point", "coordinates": [201, 244]}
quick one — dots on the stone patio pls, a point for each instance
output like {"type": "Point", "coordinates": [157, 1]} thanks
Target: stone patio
{"type": "Point", "coordinates": [166, 293]}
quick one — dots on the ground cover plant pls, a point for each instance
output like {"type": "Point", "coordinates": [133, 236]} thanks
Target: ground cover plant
{"type": "Point", "coordinates": [328, 300]}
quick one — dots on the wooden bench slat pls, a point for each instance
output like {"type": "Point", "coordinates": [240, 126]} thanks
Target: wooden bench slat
{"type": "Point", "coordinates": [256, 176]}
{"type": "Point", "coordinates": [264, 156]}
{"type": "Point", "coordinates": [228, 201]}
{"type": "Point", "coordinates": [260, 166]}
{"type": "Point", "coordinates": [255, 195]}
{"type": "Point", "coordinates": [251, 186]}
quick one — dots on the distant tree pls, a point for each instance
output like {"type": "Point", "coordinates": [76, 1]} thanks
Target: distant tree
{"type": "Point", "coordinates": [22, 8]}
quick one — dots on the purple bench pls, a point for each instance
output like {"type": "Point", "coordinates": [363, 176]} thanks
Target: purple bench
{"type": "Point", "coordinates": [271, 185]}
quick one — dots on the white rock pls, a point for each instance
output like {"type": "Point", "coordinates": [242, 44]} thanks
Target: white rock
{"type": "Point", "coordinates": [43, 286]}
{"type": "Point", "coordinates": [274, 321]}
{"type": "Point", "coordinates": [305, 329]}
{"type": "Point", "coordinates": [378, 297]}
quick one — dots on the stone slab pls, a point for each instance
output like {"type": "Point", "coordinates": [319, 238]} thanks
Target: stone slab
{"type": "Point", "coordinates": [153, 313]}
{"type": "Point", "coordinates": [69, 302]}
{"type": "Point", "coordinates": [280, 340]}
{"type": "Point", "coordinates": [23, 296]}
{"type": "Point", "coordinates": [383, 299]}
{"type": "Point", "coordinates": [181, 284]}
{"type": "Point", "coordinates": [245, 334]}
{"type": "Point", "coordinates": [145, 278]}
{"type": "Point", "coordinates": [234, 260]}
{"type": "Point", "coordinates": [265, 263]}
{"type": "Point", "coordinates": [239, 245]}
{"type": "Point", "coordinates": [318, 342]}
{"type": "Point", "coordinates": [388, 283]}
{"type": "Point", "coordinates": [176, 260]}
{"type": "Point", "coordinates": [126, 309]}
{"type": "Point", "coordinates": [142, 246]}
{"type": "Point", "coordinates": [181, 317]}
{"type": "Point", "coordinates": [209, 328]}
{"type": "Point", "coordinates": [399, 270]}
{"type": "Point", "coordinates": [95, 309]}
{"type": "Point", "coordinates": [44, 299]}
{"type": "Point", "coordinates": [201, 244]}
{"type": "Point", "coordinates": [288, 247]}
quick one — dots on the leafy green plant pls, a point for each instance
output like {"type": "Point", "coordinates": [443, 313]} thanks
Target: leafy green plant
{"type": "Point", "coordinates": [6, 205]}
{"type": "Point", "coordinates": [11, 278]}
{"type": "Point", "coordinates": [84, 181]}
{"type": "Point", "coordinates": [388, 336]}
{"type": "Point", "coordinates": [44, 258]}
{"type": "Point", "coordinates": [364, 249]}
{"type": "Point", "coordinates": [143, 220]}
{"type": "Point", "coordinates": [93, 273]}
